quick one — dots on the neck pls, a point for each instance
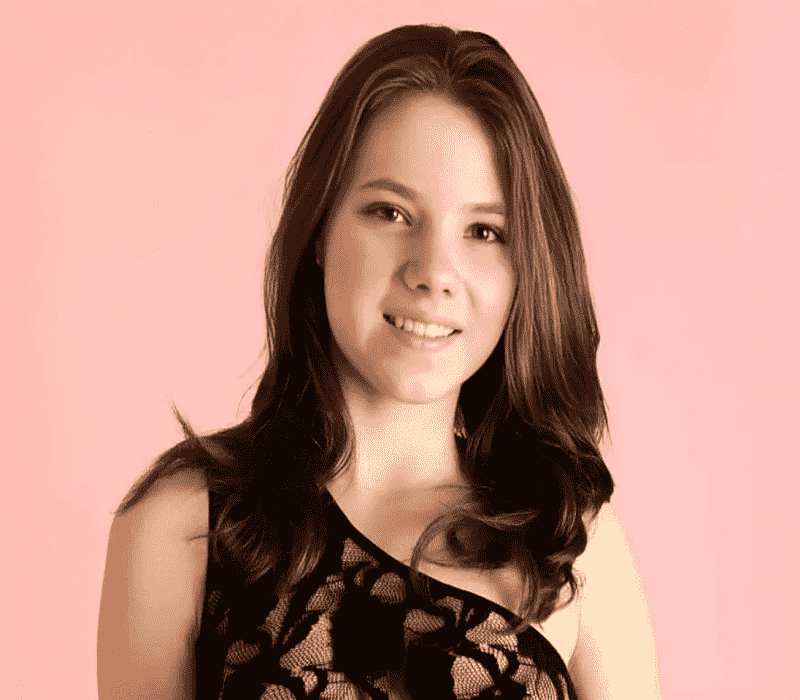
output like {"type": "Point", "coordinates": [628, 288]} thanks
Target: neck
{"type": "Point", "coordinates": [401, 445]}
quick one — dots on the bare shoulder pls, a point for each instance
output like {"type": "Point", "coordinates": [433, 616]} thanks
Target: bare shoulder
{"type": "Point", "coordinates": [177, 505]}
{"type": "Point", "coordinates": [591, 520]}
{"type": "Point", "coordinates": [153, 590]}
{"type": "Point", "coordinates": [605, 536]}
{"type": "Point", "coordinates": [615, 656]}
{"type": "Point", "coordinates": [562, 626]}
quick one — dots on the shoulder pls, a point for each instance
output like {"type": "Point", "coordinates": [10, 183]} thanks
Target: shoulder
{"type": "Point", "coordinates": [562, 626]}
{"type": "Point", "coordinates": [605, 537]}
{"type": "Point", "coordinates": [615, 655]}
{"type": "Point", "coordinates": [153, 589]}
{"type": "Point", "coordinates": [159, 545]}
{"type": "Point", "coordinates": [162, 540]}
{"type": "Point", "coordinates": [176, 505]}
{"type": "Point", "coordinates": [609, 570]}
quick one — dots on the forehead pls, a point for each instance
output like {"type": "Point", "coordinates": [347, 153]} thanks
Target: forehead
{"type": "Point", "coordinates": [430, 144]}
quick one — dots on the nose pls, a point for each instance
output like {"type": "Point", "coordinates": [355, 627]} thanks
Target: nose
{"type": "Point", "coordinates": [430, 267]}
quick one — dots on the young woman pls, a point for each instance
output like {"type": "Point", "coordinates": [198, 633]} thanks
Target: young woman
{"type": "Point", "coordinates": [416, 506]}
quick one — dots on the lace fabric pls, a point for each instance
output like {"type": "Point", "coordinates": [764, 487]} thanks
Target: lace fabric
{"type": "Point", "coordinates": [355, 628]}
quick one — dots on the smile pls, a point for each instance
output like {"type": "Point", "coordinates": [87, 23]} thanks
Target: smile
{"type": "Point", "coordinates": [422, 330]}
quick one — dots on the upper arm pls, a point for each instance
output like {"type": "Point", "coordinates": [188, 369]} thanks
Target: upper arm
{"type": "Point", "coordinates": [615, 656]}
{"type": "Point", "coordinates": [153, 592]}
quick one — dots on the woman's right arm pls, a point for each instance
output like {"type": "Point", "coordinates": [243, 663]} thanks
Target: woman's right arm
{"type": "Point", "coordinates": [153, 594]}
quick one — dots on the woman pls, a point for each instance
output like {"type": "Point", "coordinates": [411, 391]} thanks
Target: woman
{"type": "Point", "coordinates": [416, 505]}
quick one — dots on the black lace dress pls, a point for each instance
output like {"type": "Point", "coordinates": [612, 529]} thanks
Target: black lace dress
{"type": "Point", "coordinates": [345, 631]}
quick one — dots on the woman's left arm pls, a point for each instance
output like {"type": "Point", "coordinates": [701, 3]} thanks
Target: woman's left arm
{"type": "Point", "coordinates": [615, 655]}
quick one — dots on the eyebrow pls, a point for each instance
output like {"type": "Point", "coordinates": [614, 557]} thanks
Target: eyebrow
{"type": "Point", "coordinates": [385, 183]}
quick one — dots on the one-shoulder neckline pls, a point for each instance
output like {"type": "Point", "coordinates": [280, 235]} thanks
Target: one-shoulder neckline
{"type": "Point", "coordinates": [382, 555]}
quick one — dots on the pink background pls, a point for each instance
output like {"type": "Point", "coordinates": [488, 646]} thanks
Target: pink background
{"type": "Point", "coordinates": [143, 145]}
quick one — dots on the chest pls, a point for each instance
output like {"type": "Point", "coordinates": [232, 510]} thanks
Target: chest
{"type": "Point", "coordinates": [395, 523]}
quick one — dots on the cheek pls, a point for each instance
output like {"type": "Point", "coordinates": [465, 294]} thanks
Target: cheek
{"type": "Point", "coordinates": [355, 278]}
{"type": "Point", "coordinates": [497, 295]}
{"type": "Point", "coordinates": [341, 260]}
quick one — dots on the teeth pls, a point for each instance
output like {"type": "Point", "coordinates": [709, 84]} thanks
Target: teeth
{"type": "Point", "coordinates": [418, 328]}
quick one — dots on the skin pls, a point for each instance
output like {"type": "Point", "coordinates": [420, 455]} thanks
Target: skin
{"type": "Point", "coordinates": [432, 251]}
{"type": "Point", "coordinates": [434, 245]}
{"type": "Point", "coordinates": [425, 251]}
{"type": "Point", "coordinates": [382, 251]}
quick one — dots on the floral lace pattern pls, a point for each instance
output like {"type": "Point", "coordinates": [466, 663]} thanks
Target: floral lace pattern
{"type": "Point", "coordinates": [355, 628]}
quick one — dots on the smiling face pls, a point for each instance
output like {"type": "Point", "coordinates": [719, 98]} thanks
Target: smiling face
{"type": "Point", "coordinates": [416, 236]}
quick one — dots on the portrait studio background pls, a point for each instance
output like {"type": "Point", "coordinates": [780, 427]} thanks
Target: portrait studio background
{"type": "Point", "coordinates": [143, 147]}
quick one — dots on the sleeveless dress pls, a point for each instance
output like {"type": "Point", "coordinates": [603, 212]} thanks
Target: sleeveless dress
{"type": "Point", "coordinates": [345, 629]}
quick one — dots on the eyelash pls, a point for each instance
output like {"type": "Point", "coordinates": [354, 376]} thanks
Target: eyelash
{"type": "Point", "coordinates": [498, 233]}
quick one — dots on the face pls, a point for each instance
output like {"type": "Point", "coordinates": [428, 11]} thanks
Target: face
{"type": "Point", "coordinates": [415, 249]}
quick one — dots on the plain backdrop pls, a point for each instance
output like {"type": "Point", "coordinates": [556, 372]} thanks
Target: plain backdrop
{"type": "Point", "coordinates": [143, 149]}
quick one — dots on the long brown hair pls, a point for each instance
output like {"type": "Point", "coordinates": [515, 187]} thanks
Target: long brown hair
{"type": "Point", "coordinates": [530, 419]}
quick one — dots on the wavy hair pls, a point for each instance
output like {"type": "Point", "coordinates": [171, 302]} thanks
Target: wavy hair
{"type": "Point", "coordinates": [529, 421]}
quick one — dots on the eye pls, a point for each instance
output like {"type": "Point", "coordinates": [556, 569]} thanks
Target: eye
{"type": "Point", "coordinates": [387, 212]}
{"type": "Point", "coordinates": [487, 233]}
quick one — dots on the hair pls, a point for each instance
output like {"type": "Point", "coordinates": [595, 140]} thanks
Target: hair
{"type": "Point", "coordinates": [529, 421]}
